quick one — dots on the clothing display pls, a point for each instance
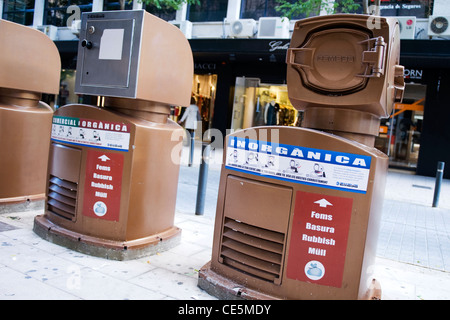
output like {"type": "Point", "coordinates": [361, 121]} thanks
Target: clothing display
{"type": "Point", "coordinates": [271, 113]}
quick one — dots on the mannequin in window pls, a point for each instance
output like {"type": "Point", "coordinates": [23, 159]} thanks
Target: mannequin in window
{"type": "Point", "coordinates": [271, 112]}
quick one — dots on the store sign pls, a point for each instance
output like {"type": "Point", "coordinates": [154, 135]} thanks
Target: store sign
{"type": "Point", "coordinates": [278, 45]}
{"type": "Point", "coordinates": [319, 236]}
{"type": "Point", "coordinates": [103, 185]}
{"type": "Point", "coordinates": [413, 74]}
{"type": "Point", "coordinates": [205, 66]}
{"type": "Point", "coordinates": [402, 8]}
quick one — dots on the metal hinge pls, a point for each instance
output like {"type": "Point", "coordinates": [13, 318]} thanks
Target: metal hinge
{"type": "Point", "coordinates": [374, 58]}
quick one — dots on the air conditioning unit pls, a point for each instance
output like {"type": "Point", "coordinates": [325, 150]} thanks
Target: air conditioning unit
{"type": "Point", "coordinates": [407, 27]}
{"type": "Point", "coordinates": [50, 31]}
{"type": "Point", "coordinates": [242, 28]}
{"type": "Point", "coordinates": [438, 26]}
{"type": "Point", "coordinates": [185, 26]}
{"type": "Point", "coordinates": [273, 27]}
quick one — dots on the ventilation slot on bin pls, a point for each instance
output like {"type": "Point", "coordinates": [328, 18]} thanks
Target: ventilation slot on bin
{"type": "Point", "coordinates": [62, 198]}
{"type": "Point", "coordinates": [253, 250]}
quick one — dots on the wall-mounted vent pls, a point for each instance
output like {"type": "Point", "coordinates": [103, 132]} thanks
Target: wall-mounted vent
{"type": "Point", "coordinates": [252, 250]}
{"type": "Point", "coordinates": [62, 198]}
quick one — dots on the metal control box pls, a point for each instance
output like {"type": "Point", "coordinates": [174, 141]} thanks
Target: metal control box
{"type": "Point", "coordinates": [131, 56]}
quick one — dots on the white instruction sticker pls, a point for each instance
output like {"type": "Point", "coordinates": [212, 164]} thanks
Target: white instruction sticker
{"type": "Point", "coordinates": [92, 133]}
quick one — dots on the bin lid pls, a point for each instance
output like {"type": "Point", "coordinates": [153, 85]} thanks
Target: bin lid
{"type": "Point", "coordinates": [29, 60]}
{"type": "Point", "coordinates": [332, 60]}
{"type": "Point", "coordinates": [341, 61]}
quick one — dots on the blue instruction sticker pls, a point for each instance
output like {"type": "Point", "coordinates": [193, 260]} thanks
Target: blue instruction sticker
{"type": "Point", "coordinates": [323, 168]}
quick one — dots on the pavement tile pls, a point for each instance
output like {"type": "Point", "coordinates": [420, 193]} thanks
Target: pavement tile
{"type": "Point", "coordinates": [90, 284]}
{"type": "Point", "coordinates": [175, 285]}
{"type": "Point", "coordinates": [16, 285]}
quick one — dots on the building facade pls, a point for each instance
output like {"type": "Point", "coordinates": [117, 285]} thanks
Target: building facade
{"type": "Point", "coordinates": [239, 49]}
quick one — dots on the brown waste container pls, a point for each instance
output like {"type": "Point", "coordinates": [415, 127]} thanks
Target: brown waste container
{"type": "Point", "coordinates": [298, 209]}
{"type": "Point", "coordinates": [112, 171]}
{"type": "Point", "coordinates": [29, 66]}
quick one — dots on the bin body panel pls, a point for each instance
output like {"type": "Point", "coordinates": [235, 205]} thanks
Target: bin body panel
{"type": "Point", "coordinates": [29, 66]}
{"type": "Point", "coordinates": [154, 179]}
{"type": "Point", "coordinates": [338, 238]}
{"type": "Point", "coordinates": [121, 194]}
{"type": "Point", "coordinates": [24, 140]}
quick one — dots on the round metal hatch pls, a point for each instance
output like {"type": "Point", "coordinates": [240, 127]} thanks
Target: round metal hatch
{"type": "Point", "coordinates": [332, 61]}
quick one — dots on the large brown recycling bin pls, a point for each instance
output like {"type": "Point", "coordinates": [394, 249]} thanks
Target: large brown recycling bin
{"type": "Point", "coordinates": [29, 66]}
{"type": "Point", "coordinates": [299, 208]}
{"type": "Point", "coordinates": [113, 172]}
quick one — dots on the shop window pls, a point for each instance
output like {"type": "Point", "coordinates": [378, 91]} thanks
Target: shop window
{"type": "Point", "coordinates": [400, 134]}
{"type": "Point", "coordinates": [166, 14]}
{"type": "Point", "coordinates": [208, 11]}
{"type": "Point", "coordinates": [260, 104]}
{"type": "Point", "coordinates": [67, 93]}
{"type": "Point", "coordinates": [19, 11]}
{"type": "Point", "coordinates": [55, 12]}
{"type": "Point", "coordinates": [204, 91]}
{"type": "Point", "coordinates": [255, 9]}
{"type": "Point", "coordinates": [109, 5]}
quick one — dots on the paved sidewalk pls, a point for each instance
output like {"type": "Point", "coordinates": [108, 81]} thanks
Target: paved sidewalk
{"type": "Point", "coordinates": [412, 259]}
{"type": "Point", "coordinates": [412, 231]}
{"type": "Point", "coordinates": [32, 268]}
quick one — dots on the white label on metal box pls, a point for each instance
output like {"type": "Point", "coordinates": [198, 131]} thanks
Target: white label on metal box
{"type": "Point", "coordinates": [111, 44]}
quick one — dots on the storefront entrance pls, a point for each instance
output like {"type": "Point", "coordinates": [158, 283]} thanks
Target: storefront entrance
{"type": "Point", "coordinates": [400, 134]}
{"type": "Point", "coordinates": [259, 104]}
{"type": "Point", "coordinates": [204, 91]}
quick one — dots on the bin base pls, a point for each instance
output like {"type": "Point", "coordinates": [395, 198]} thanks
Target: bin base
{"type": "Point", "coordinates": [23, 203]}
{"type": "Point", "coordinates": [104, 248]}
{"type": "Point", "coordinates": [226, 289]}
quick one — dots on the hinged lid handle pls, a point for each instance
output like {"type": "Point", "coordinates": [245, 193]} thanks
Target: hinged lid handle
{"type": "Point", "coordinates": [300, 57]}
